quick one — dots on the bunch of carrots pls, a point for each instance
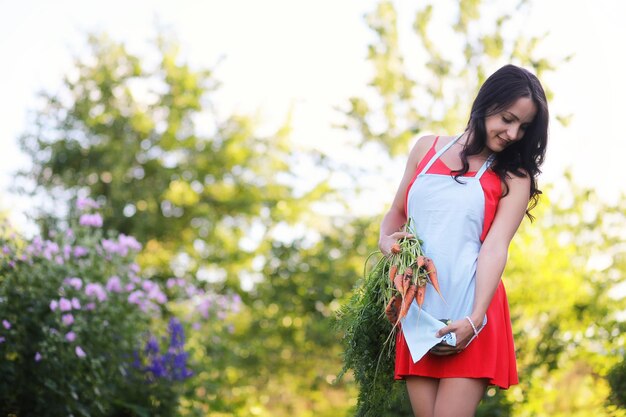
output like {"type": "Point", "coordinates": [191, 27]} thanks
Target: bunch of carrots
{"type": "Point", "coordinates": [409, 273]}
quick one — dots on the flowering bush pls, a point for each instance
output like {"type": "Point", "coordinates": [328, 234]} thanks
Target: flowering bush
{"type": "Point", "coordinates": [79, 325]}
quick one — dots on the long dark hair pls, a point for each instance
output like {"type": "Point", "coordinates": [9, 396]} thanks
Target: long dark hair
{"type": "Point", "coordinates": [497, 93]}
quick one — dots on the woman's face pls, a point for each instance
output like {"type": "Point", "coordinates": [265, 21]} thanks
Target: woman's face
{"type": "Point", "coordinates": [509, 125]}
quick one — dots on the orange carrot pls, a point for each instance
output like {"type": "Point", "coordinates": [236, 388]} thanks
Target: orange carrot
{"type": "Point", "coordinates": [398, 282]}
{"type": "Point", "coordinates": [406, 303]}
{"type": "Point", "coordinates": [406, 284]}
{"type": "Point", "coordinates": [419, 295]}
{"type": "Point", "coordinates": [420, 261]}
{"type": "Point", "coordinates": [392, 272]}
{"type": "Point", "coordinates": [392, 309]}
{"type": "Point", "coordinates": [432, 275]}
{"type": "Point", "coordinates": [395, 248]}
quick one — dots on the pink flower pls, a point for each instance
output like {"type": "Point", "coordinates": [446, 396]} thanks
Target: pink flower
{"type": "Point", "coordinates": [6, 324]}
{"type": "Point", "coordinates": [67, 251]}
{"type": "Point", "coordinates": [90, 306]}
{"type": "Point", "coordinates": [130, 243]}
{"type": "Point", "coordinates": [86, 203]}
{"type": "Point", "coordinates": [135, 297]}
{"type": "Point", "coordinates": [155, 293]}
{"type": "Point", "coordinates": [91, 220]}
{"type": "Point", "coordinates": [114, 284]}
{"type": "Point", "coordinates": [80, 352]}
{"type": "Point", "coordinates": [74, 282]}
{"type": "Point", "coordinates": [37, 357]}
{"type": "Point", "coordinates": [96, 290]}
{"type": "Point", "coordinates": [80, 251]}
{"type": "Point", "coordinates": [75, 303]}
{"type": "Point", "coordinates": [67, 319]}
{"type": "Point", "coordinates": [70, 336]}
{"type": "Point", "coordinates": [54, 305]}
{"type": "Point", "coordinates": [65, 304]}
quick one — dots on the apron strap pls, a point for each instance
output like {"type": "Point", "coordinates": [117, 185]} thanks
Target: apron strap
{"type": "Point", "coordinates": [438, 154]}
{"type": "Point", "coordinates": [486, 165]}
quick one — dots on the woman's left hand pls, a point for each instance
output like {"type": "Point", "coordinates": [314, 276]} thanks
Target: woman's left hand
{"type": "Point", "coordinates": [463, 332]}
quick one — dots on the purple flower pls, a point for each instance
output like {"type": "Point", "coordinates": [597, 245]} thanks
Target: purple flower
{"type": "Point", "coordinates": [114, 284]}
{"type": "Point", "coordinates": [86, 203]}
{"type": "Point", "coordinates": [69, 233]}
{"type": "Point", "coordinates": [157, 295]}
{"type": "Point", "coordinates": [2, 339]}
{"type": "Point", "coordinates": [90, 220]}
{"type": "Point", "coordinates": [148, 285]}
{"type": "Point", "coordinates": [67, 251]}
{"type": "Point", "coordinates": [74, 282]}
{"type": "Point", "coordinates": [75, 303]}
{"type": "Point", "coordinates": [204, 307]}
{"type": "Point", "coordinates": [70, 336]}
{"type": "Point", "coordinates": [80, 251]}
{"type": "Point", "coordinates": [157, 367]}
{"type": "Point", "coordinates": [171, 283]}
{"type": "Point", "coordinates": [65, 304]}
{"type": "Point", "coordinates": [59, 260]}
{"type": "Point", "coordinates": [96, 290]}
{"type": "Point", "coordinates": [235, 303]}
{"type": "Point", "coordinates": [135, 297]}
{"type": "Point", "coordinates": [67, 319]}
{"type": "Point", "coordinates": [54, 305]}
{"type": "Point", "coordinates": [111, 246]}
{"type": "Point", "coordinates": [134, 267]}
{"type": "Point", "coordinates": [37, 357]}
{"type": "Point", "coordinates": [177, 335]}
{"type": "Point", "coordinates": [6, 250]}
{"type": "Point", "coordinates": [6, 324]}
{"type": "Point", "coordinates": [80, 352]}
{"type": "Point", "coordinates": [90, 306]}
{"type": "Point", "coordinates": [130, 243]}
{"type": "Point", "coordinates": [152, 346]}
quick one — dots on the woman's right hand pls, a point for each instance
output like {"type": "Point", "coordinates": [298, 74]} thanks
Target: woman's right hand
{"type": "Point", "coordinates": [386, 242]}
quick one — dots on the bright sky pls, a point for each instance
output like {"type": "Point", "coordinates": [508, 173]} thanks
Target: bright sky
{"type": "Point", "coordinates": [310, 54]}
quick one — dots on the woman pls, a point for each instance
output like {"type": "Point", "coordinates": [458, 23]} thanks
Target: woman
{"type": "Point", "coordinates": [467, 196]}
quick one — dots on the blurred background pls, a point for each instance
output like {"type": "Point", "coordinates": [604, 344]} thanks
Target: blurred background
{"type": "Point", "coordinates": [252, 147]}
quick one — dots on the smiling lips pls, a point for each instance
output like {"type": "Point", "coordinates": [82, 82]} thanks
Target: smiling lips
{"type": "Point", "coordinates": [504, 141]}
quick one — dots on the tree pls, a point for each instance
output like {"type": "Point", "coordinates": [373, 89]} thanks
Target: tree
{"type": "Point", "coordinates": [149, 143]}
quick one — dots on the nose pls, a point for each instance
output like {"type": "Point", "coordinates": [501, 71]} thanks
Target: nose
{"type": "Point", "coordinates": [514, 132]}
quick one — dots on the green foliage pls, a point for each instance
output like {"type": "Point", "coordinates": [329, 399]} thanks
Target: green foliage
{"type": "Point", "coordinates": [565, 303]}
{"type": "Point", "coordinates": [617, 380]}
{"type": "Point", "coordinates": [434, 94]}
{"type": "Point", "coordinates": [172, 172]}
{"type": "Point", "coordinates": [369, 346]}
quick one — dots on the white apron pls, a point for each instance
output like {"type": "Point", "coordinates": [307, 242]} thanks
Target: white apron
{"type": "Point", "coordinates": [448, 217]}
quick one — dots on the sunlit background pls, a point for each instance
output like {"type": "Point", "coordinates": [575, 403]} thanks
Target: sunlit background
{"type": "Point", "coordinates": [267, 270]}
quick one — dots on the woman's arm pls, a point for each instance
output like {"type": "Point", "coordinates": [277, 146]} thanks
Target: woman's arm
{"type": "Point", "coordinates": [395, 218]}
{"type": "Point", "coordinates": [492, 258]}
{"type": "Point", "coordinates": [494, 251]}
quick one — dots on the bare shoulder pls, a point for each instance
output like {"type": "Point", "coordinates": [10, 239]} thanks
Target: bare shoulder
{"type": "Point", "coordinates": [421, 147]}
{"type": "Point", "coordinates": [518, 184]}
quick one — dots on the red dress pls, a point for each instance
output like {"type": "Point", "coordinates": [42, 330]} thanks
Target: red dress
{"type": "Point", "coordinates": [492, 354]}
